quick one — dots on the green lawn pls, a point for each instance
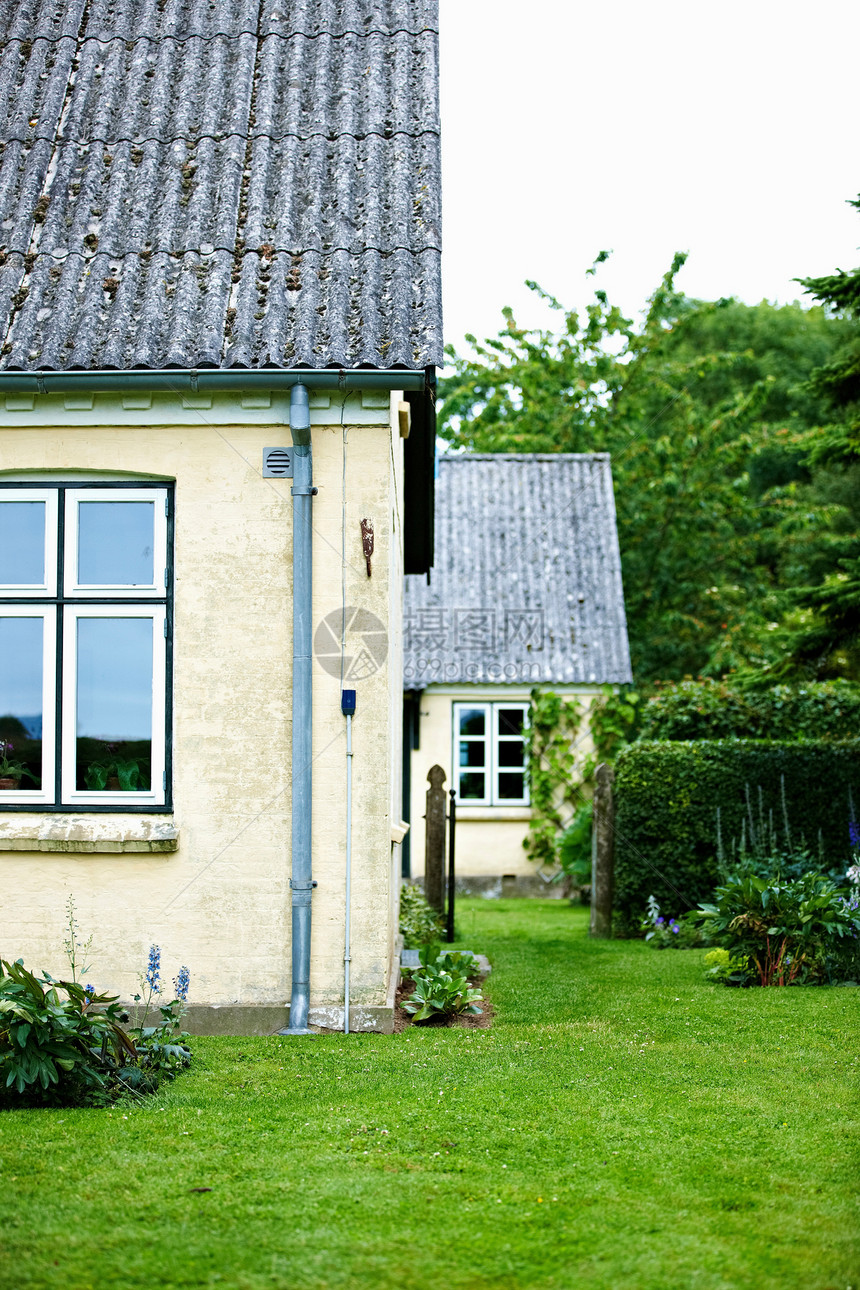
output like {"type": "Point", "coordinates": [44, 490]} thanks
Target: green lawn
{"type": "Point", "coordinates": [623, 1124]}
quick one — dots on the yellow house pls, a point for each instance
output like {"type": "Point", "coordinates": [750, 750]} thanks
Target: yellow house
{"type": "Point", "coordinates": [525, 591]}
{"type": "Point", "coordinates": [221, 300]}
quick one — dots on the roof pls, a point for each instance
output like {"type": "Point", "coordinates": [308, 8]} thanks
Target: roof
{"type": "Point", "coordinates": [192, 184]}
{"type": "Point", "coordinates": [526, 585]}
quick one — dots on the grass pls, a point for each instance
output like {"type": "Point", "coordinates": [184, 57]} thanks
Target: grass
{"type": "Point", "coordinates": [623, 1124]}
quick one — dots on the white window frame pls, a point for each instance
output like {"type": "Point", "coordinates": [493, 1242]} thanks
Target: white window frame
{"type": "Point", "coordinates": [48, 587]}
{"type": "Point", "coordinates": [491, 740]}
{"type": "Point", "coordinates": [45, 794]}
{"type": "Point", "coordinates": [155, 795]}
{"type": "Point", "coordinates": [158, 587]}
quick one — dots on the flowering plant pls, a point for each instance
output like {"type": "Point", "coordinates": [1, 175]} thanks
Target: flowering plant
{"type": "Point", "coordinates": [160, 1051]}
{"type": "Point", "coordinates": [12, 768]}
{"type": "Point", "coordinates": [669, 933]}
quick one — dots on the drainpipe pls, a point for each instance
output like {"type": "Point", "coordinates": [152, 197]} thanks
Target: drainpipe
{"type": "Point", "coordinates": [301, 882]}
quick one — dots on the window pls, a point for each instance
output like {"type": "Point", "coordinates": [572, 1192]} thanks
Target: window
{"type": "Point", "coordinates": [490, 753]}
{"type": "Point", "coordinates": [85, 611]}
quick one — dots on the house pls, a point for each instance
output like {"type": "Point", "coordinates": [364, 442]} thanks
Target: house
{"type": "Point", "coordinates": [525, 591]}
{"type": "Point", "coordinates": [219, 324]}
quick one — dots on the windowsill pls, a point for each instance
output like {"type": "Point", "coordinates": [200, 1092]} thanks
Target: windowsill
{"type": "Point", "coordinates": [90, 834]}
{"type": "Point", "coordinates": [493, 812]}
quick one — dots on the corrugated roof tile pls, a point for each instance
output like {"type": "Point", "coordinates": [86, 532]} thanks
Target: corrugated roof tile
{"type": "Point", "coordinates": [526, 585]}
{"type": "Point", "coordinates": [253, 190]}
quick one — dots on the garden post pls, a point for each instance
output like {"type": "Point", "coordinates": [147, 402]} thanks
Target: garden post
{"type": "Point", "coordinates": [602, 852]}
{"type": "Point", "coordinates": [434, 846]}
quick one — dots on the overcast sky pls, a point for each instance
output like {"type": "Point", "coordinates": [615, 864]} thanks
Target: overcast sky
{"type": "Point", "coordinates": [644, 126]}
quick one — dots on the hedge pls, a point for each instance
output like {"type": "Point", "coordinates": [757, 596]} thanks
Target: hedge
{"type": "Point", "coordinates": [666, 799]}
{"type": "Point", "coordinates": [718, 710]}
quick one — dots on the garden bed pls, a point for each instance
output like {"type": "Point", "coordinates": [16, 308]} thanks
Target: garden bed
{"type": "Point", "coordinates": [463, 1020]}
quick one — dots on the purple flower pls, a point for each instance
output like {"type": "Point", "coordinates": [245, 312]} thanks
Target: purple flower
{"type": "Point", "coordinates": [854, 833]}
{"type": "Point", "coordinates": [659, 921]}
{"type": "Point", "coordinates": [153, 970]}
{"type": "Point", "coordinates": [181, 983]}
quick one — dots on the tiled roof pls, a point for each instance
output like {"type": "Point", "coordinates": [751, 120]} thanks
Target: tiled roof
{"type": "Point", "coordinates": [526, 585]}
{"type": "Point", "coordinates": [197, 184]}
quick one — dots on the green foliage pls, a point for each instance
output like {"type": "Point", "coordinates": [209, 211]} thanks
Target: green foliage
{"type": "Point", "coordinates": [555, 773]}
{"type": "Point", "coordinates": [574, 848]}
{"type": "Point", "coordinates": [723, 512]}
{"type": "Point", "coordinates": [719, 710]}
{"type": "Point", "coordinates": [60, 1042]}
{"type": "Point", "coordinates": [721, 966]}
{"type": "Point", "coordinates": [419, 922]}
{"type": "Point", "coordinates": [796, 932]}
{"type": "Point", "coordinates": [441, 986]}
{"type": "Point", "coordinates": [668, 794]}
{"type": "Point", "coordinates": [680, 933]}
{"type": "Point", "coordinates": [615, 719]}
{"type": "Point", "coordinates": [127, 770]}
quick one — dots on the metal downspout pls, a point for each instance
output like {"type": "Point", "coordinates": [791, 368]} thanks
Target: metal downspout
{"type": "Point", "coordinates": [301, 882]}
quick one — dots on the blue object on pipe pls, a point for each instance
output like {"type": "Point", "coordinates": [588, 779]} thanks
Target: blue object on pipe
{"type": "Point", "coordinates": [347, 702]}
{"type": "Point", "coordinates": [301, 883]}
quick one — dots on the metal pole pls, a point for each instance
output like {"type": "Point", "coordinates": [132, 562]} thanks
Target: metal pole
{"type": "Point", "coordinates": [452, 833]}
{"type": "Point", "coordinates": [301, 882]}
{"type": "Point", "coordinates": [348, 711]}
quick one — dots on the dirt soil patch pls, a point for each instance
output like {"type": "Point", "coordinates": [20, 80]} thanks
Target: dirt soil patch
{"type": "Point", "coordinates": [466, 1020]}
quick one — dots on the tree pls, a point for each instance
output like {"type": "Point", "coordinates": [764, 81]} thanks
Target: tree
{"type": "Point", "coordinates": [703, 410]}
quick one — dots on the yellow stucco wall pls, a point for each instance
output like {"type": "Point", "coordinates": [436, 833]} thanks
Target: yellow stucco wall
{"type": "Point", "coordinates": [489, 838]}
{"type": "Point", "coordinates": [221, 902]}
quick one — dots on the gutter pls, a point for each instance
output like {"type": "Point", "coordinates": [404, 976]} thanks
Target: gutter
{"type": "Point", "coordinates": [182, 380]}
{"type": "Point", "coordinates": [301, 881]}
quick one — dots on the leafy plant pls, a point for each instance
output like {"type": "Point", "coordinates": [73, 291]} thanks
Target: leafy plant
{"type": "Point", "coordinates": [614, 719]}
{"type": "Point", "coordinates": [60, 1042]}
{"type": "Point", "coordinates": [13, 768]}
{"type": "Point", "coordinates": [419, 922]}
{"type": "Point", "coordinates": [679, 933]}
{"type": "Point", "coordinates": [709, 709]}
{"type": "Point", "coordinates": [438, 962]}
{"type": "Point", "coordinates": [798, 931]}
{"type": "Point", "coordinates": [160, 1052]}
{"type": "Point", "coordinates": [721, 966]}
{"type": "Point", "coordinates": [555, 773]}
{"type": "Point", "coordinates": [574, 848]}
{"type": "Point", "coordinates": [441, 994]}
{"type": "Point", "coordinates": [129, 771]}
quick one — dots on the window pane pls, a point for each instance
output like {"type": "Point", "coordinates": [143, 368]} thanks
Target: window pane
{"type": "Point", "coordinates": [115, 544]}
{"type": "Point", "coordinates": [471, 721]}
{"type": "Point", "coordinates": [511, 752]}
{"type": "Point", "coordinates": [21, 702]}
{"type": "Point", "coordinates": [511, 721]}
{"type": "Point", "coordinates": [511, 786]}
{"type": "Point", "coordinates": [472, 752]}
{"type": "Point", "coordinates": [114, 703]}
{"type": "Point", "coordinates": [471, 785]}
{"type": "Point", "coordinates": [22, 543]}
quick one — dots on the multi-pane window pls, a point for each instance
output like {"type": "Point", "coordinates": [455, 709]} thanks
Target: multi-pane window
{"type": "Point", "coordinates": [490, 753]}
{"type": "Point", "coordinates": [84, 618]}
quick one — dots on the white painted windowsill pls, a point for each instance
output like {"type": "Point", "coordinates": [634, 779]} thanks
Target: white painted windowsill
{"type": "Point", "coordinates": [88, 834]}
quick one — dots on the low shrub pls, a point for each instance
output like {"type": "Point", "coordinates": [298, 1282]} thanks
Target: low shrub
{"type": "Point", "coordinates": [668, 795]}
{"type": "Point", "coordinates": [61, 1044]}
{"type": "Point", "coordinates": [419, 922]}
{"type": "Point", "coordinates": [721, 966]}
{"type": "Point", "coordinates": [574, 848]}
{"type": "Point", "coordinates": [718, 710]}
{"type": "Point", "coordinates": [441, 986]}
{"type": "Point", "coordinates": [803, 931]}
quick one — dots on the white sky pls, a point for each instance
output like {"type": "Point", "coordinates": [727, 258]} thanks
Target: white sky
{"type": "Point", "coordinates": [644, 126]}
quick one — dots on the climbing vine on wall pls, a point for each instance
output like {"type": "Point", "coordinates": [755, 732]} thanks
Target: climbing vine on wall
{"type": "Point", "coordinates": [556, 772]}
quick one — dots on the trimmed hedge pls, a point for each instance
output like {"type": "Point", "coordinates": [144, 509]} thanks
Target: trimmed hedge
{"type": "Point", "coordinates": [666, 799]}
{"type": "Point", "coordinates": [717, 710]}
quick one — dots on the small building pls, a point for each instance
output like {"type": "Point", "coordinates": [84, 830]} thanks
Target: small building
{"type": "Point", "coordinates": [525, 591]}
{"type": "Point", "coordinates": [219, 325]}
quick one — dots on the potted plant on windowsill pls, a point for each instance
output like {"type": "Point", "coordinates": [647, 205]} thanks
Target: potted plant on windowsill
{"type": "Point", "coordinates": [12, 771]}
{"type": "Point", "coordinates": [115, 774]}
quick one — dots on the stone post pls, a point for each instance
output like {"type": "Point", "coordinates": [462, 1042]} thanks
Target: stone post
{"type": "Point", "coordinates": [434, 846]}
{"type": "Point", "coordinates": [602, 853]}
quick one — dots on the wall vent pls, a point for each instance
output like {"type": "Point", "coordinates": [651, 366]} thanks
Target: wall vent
{"type": "Point", "coordinates": [277, 463]}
